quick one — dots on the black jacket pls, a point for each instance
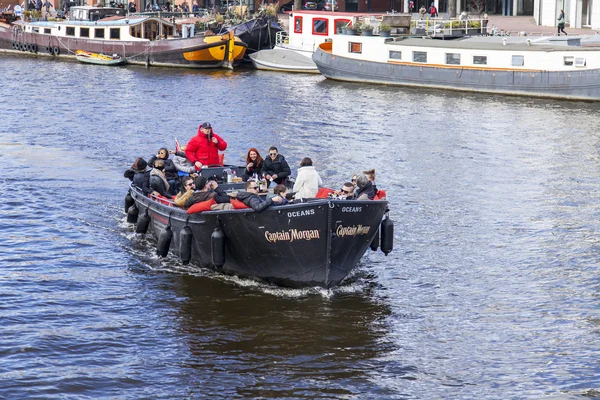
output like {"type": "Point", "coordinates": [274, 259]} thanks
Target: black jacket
{"type": "Point", "coordinates": [218, 194]}
{"type": "Point", "coordinates": [142, 180]}
{"type": "Point", "coordinates": [279, 167]}
{"type": "Point", "coordinates": [254, 201]}
{"type": "Point", "coordinates": [369, 190]}
{"type": "Point", "coordinates": [255, 169]}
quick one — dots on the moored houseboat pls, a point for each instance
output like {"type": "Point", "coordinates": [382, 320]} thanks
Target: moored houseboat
{"type": "Point", "coordinates": [307, 29]}
{"type": "Point", "coordinates": [556, 67]}
{"type": "Point", "coordinates": [149, 41]}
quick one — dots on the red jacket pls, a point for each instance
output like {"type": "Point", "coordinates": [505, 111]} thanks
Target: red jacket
{"type": "Point", "coordinates": [201, 148]}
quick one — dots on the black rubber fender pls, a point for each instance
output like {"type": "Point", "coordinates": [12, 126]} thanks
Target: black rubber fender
{"type": "Point", "coordinates": [128, 201]}
{"type": "Point", "coordinates": [132, 214]}
{"type": "Point", "coordinates": [56, 51]}
{"type": "Point", "coordinates": [34, 48]}
{"type": "Point", "coordinates": [387, 235]}
{"type": "Point", "coordinates": [143, 223]}
{"type": "Point", "coordinates": [375, 241]}
{"type": "Point", "coordinates": [186, 238]}
{"type": "Point", "coordinates": [217, 247]}
{"type": "Point", "coordinates": [164, 242]}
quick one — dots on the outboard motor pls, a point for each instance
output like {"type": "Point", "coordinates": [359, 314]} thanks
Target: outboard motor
{"type": "Point", "coordinates": [128, 201]}
{"type": "Point", "coordinates": [217, 246]}
{"type": "Point", "coordinates": [132, 214]}
{"type": "Point", "coordinates": [164, 241]}
{"type": "Point", "coordinates": [185, 244]}
{"type": "Point", "coordinates": [143, 223]}
{"type": "Point", "coordinates": [375, 242]}
{"type": "Point", "coordinates": [387, 235]}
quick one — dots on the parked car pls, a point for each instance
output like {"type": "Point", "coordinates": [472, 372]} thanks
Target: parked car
{"type": "Point", "coordinates": [289, 6]}
{"type": "Point", "coordinates": [310, 5]}
{"type": "Point", "coordinates": [327, 5]}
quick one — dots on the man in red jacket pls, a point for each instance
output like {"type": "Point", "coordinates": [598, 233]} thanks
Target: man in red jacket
{"type": "Point", "coordinates": [203, 149]}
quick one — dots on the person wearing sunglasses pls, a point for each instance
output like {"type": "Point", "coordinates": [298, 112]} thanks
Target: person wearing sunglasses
{"type": "Point", "coordinates": [346, 192]}
{"type": "Point", "coordinates": [170, 170]}
{"type": "Point", "coordinates": [187, 190]}
{"type": "Point", "coordinates": [275, 167]}
{"type": "Point", "coordinates": [251, 198]}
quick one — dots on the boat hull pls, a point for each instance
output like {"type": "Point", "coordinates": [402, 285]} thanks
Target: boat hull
{"type": "Point", "coordinates": [573, 85]}
{"type": "Point", "coordinates": [315, 243]}
{"type": "Point", "coordinates": [196, 52]}
{"type": "Point", "coordinates": [284, 60]}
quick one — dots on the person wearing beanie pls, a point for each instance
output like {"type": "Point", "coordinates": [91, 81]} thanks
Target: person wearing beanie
{"type": "Point", "coordinates": [139, 176]}
{"type": "Point", "coordinates": [203, 149]}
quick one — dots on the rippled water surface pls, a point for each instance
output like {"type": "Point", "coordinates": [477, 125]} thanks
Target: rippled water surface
{"type": "Point", "coordinates": [492, 290]}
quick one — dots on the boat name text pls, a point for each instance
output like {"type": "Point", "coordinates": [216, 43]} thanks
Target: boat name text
{"type": "Point", "coordinates": [291, 235]}
{"type": "Point", "coordinates": [353, 230]}
{"type": "Point", "coordinates": [351, 209]}
{"type": "Point", "coordinates": [300, 213]}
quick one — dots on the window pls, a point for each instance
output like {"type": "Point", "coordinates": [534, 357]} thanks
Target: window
{"type": "Point", "coordinates": [480, 60]}
{"type": "Point", "coordinates": [339, 24]}
{"type": "Point", "coordinates": [420, 56]}
{"type": "Point", "coordinates": [569, 61]}
{"type": "Point", "coordinates": [395, 55]}
{"type": "Point", "coordinates": [70, 31]}
{"type": "Point", "coordinates": [518, 61]}
{"type": "Point", "coordinates": [47, 31]}
{"type": "Point", "coordinates": [99, 33]}
{"type": "Point", "coordinates": [453, 58]}
{"type": "Point", "coordinates": [580, 61]}
{"type": "Point", "coordinates": [136, 31]}
{"type": "Point", "coordinates": [354, 47]}
{"type": "Point", "coordinates": [298, 24]}
{"type": "Point", "coordinates": [319, 26]}
{"type": "Point", "coordinates": [84, 32]}
{"type": "Point", "coordinates": [115, 33]}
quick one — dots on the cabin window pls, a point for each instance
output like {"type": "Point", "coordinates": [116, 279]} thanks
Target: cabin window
{"type": "Point", "coordinates": [517, 61]}
{"type": "Point", "coordinates": [395, 55]}
{"type": "Point", "coordinates": [47, 31]}
{"type": "Point", "coordinates": [354, 47]}
{"type": "Point", "coordinates": [319, 26]}
{"type": "Point", "coordinates": [136, 31]}
{"type": "Point", "coordinates": [115, 33]}
{"type": "Point", "coordinates": [84, 32]}
{"type": "Point", "coordinates": [340, 23]}
{"type": "Point", "coordinates": [453, 58]}
{"type": "Point", "coordinates": [420, 56]}
{"type": "Point", "coordinates": [298, 24]}
{"type": "Point", "coordinates": [99, 33]}
{"type": "Point", "coordinates": [70, 31]}
{"type": "Point", "coordinates": [569, 61]}
{"type": "Point", "coordinates": [480, 60]}
{"type": "Point", "coordinates": [580, 61]}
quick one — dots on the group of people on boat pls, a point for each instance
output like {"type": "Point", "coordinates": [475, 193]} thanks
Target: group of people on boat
{"type": "Point", "coordinates": [179, 180]}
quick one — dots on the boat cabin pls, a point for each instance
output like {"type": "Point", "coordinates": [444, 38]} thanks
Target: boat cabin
{"type": "Point", "coordinates": [89, 13]}
{"type": "Point", "coordinates": [125, 29]}
{"type": "Point", "coordinates": [308, 29]}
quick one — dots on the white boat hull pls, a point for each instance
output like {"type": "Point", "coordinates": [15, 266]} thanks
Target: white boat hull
{"type": "Point", "coordinates": [284, 60]}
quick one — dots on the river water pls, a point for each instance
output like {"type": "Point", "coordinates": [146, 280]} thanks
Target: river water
{"type": "Point", "coordinates": [492, 290]}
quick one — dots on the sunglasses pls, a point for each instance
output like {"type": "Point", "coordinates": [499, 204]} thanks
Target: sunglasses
{"type": "Point", "coordinates": [253, 187]}
{"type": "Point", "coordinates": [190, 184]}
{"type": "Point", "coordinates": [345, 191]}
{"type": "Point", "coordinates": [272, 154]}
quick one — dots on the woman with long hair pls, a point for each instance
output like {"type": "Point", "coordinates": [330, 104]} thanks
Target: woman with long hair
{"type": "Point", "coordinates": [254, 164]}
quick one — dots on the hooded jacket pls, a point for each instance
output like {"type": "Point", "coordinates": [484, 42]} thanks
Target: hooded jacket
{"type": "Point", "coordinates": [201, 148]}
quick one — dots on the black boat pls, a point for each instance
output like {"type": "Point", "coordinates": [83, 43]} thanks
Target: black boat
{"type": "Point", "coordinates": [313, 243]}
{"type": "Point", "coordinates": [258, 33]}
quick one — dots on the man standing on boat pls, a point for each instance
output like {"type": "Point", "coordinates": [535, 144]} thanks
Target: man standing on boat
{"type": "Point", "coordinates": [203, 149]}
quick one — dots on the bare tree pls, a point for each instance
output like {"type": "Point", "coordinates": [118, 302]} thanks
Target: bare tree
{"type": "Point", "coordinates": [452, 8]}
{"type": "Point", "coordinates": [477, 7]}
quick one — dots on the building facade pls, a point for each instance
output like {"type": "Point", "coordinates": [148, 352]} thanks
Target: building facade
{"type": "Point", "coordinates": [578, 13]}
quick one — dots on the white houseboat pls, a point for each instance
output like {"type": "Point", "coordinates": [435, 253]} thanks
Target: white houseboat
{"type": "Point", "coordinates": [138, 39]}
{"type": "Point", "coordinates": [307, 30]}
{"type": "Point", "coordinates": [557, 67]}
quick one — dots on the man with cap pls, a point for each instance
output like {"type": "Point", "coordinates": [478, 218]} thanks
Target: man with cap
{"type": "Point", "coordinates": [206, 190]}
{"type": "Point", "coordinates": [203, 149]}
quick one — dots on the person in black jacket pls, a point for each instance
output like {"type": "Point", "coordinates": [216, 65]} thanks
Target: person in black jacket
{"type": "Point", "coordinates": [251, 198]}
{"type": "Point", "coordinates": [170, 170]}
{"type": "Point", "coordinates": [254, 165]}
{"type": "Point", "coordinates": [139, 176]}
{"type": "Point", "coordinates": [206, 190]}
{"type": "Point", "coordinates": [275, 167]}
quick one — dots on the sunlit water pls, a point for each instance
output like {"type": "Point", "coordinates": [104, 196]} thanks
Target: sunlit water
{"type": "Point", "coordinates": [492, 290]}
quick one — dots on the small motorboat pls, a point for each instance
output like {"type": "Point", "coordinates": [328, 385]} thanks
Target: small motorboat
{"type": "Point", "coordinates": [99, 59]}
{"type": "Point", "coordinates": [310, 243]}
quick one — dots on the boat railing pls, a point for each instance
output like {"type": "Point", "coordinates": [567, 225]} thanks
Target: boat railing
{"type": "Point", "coordinates": [282, 39]}
{"type": "Point", "coordinates": [440, 26]}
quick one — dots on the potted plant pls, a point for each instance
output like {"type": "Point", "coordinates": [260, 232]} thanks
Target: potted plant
{"type": "Point", "coordinates": [367, 30]}
{"type": "Point", "coordinates": [352, 29]}
{"type": "Point", "coordinates": [385, 30]}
